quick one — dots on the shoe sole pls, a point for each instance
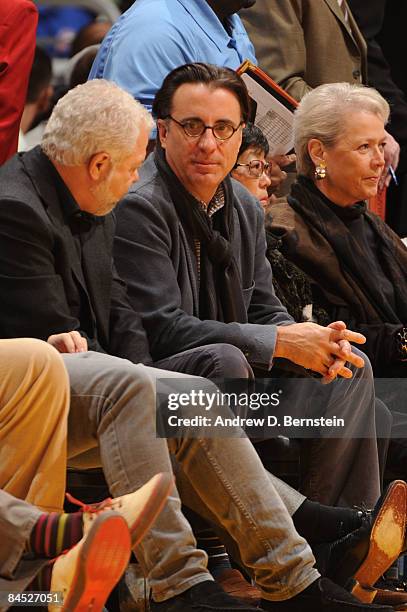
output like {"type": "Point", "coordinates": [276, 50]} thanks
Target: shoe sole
{"type": "Point", "coordinates": [386, 542]}
{"type": "Point", "coordinates": [162, 485]}
{"type": "Point", "coordinates": [101, 562]}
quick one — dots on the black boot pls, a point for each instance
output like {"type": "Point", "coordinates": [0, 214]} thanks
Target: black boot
{"type": "Point", "coordinates": [322, 596]}
{"type": "Point", "coordinates": [206, 596]}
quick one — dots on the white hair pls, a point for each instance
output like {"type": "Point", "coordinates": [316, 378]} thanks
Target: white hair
{"type": "Point", "coordinates": [94, 117]}
{"type": "Point", "coordinates": [321, 114]}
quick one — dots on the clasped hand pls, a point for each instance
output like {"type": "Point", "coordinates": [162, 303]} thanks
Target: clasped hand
{"type": "Point", "coordinates": [325, 350]}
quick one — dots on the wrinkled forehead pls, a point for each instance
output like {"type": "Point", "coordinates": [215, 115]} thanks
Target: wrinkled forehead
{"type": "Point", "coordinates": [201, 101]}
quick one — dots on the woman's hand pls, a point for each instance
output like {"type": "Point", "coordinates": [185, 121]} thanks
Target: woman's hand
{"type": "Point", "coordinates": [391, 158]}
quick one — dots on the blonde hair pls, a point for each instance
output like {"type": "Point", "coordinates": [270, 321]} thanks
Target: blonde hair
{"type": "Point", "coordinates": [321, 114]}
{"type": "Point", "coordinates": [94, 117]}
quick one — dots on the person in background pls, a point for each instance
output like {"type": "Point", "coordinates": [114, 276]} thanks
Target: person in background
{"type": "Point", "coordinates": [91, 34]}
{"type": "Point", "coordinates": [303, 44]}
{"type": "Point", "coordinates": [381, 23]}
{"type": "Point", "coordinates": [291, 285]}
{"type": "Point", "coordinates": [38, 101]}
{"type": "Point", "coordinates": [18, 25]}
{"type": "Point", "coordinates": [169, 35]}
{"type": "Point", "coordinates": [58, 26]}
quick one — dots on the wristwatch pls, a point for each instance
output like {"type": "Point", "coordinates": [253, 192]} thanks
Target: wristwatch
{"type": "Point", "coordinates": [401, 342]}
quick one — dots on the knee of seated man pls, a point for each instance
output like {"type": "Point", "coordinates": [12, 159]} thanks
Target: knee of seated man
{"type": "Point", "coordinates": [230, 361]}
{"type": "Point", "coordinates": [366, 371]}
{"type": "Point", "coordinates": [42, 357]}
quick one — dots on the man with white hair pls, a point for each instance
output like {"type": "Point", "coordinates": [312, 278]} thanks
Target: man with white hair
{"type": "Point", "coordinates": [56, 275]}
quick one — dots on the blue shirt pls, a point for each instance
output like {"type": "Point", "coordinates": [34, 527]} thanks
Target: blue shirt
{"type": "Point", "coordinates": [155, 36]}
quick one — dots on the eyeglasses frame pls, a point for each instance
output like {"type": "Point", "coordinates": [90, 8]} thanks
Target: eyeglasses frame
{"type": "Point", "coordinates": [205, 127]}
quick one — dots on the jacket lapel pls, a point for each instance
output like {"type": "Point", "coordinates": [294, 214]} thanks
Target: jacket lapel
{"type": "Point", "coordinates": [93, 274]}
{"type": "Point", "coordinates": [37, 169]}
{"type": "Point", "coordinates": [353, 31]}
{"type": "Point", "coordinates": [97, 269]}
{"type": "Point", "coordinates": [338, 12]}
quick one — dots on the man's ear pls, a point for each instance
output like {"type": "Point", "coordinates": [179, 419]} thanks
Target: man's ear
{"type": "Point", "coordinates": [316, 151]}
{"type": "Point", "coordinates": [162, 127]}
{"type": "Point", "coordinates": [99, 166]}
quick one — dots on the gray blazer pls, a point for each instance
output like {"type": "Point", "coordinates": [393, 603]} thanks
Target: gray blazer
{"type": "Point", "coordinates": [305, 43]}
{"type": "Point", "coordinates": [157, 260]}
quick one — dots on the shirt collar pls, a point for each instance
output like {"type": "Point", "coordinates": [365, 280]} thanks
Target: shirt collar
{"type": "Point", "coordinates": [217, 202]}
{"type": "Point", "coordinates": [69, 207]}
{"type": "Point", "coordinates": [203, 14]}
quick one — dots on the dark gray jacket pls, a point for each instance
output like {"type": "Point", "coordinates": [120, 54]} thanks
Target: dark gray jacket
{"type": "Point", "coordinates": [157, 260]}
{"type": "Point", "coordinates": [48, 282]}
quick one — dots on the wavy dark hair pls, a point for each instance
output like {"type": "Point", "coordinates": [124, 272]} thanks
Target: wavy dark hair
{"type": "Point", "coordinates": [253, 138]}
{"type": "Point", "coordinates": [214, 76]}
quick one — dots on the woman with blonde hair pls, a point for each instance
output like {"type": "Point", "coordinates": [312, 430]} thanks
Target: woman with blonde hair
{"type": "Point", "coordinates": [357, 261]}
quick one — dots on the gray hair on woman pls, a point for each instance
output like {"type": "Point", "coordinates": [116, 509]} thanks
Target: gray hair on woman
{"type": "Point", "coordinates": [322, 112]}
{"type": "Point", "coordinates": [94, 117]}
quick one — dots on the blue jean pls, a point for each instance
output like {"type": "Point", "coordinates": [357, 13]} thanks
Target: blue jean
{"type": "Point", "coordinates": [113, 413]}
{"type": "Point", "coordinates": [341, 471]}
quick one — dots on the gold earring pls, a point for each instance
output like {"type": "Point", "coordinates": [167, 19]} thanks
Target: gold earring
{"type": "Point", "coordinates": [320, 171]}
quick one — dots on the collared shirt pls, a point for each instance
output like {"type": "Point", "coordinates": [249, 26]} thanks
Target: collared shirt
{"type": "Point", "coordinates": [217, 202]}
{"type": "Point", "coordinates": [78, 220]}
{"type": "Point", "coordinates": [155, 36]}
{"type": "Point", "coordinates": [70, 207]}
{"type": "Point", "coordinates": [344, 9]}
{"type": "Point", "coordinates": [79, 223]}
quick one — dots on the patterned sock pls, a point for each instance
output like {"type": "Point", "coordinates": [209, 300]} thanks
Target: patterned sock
{"type": "Point", "coordinates": [54, 533]}
{"type": "Point", "coordinates": [218, 558]}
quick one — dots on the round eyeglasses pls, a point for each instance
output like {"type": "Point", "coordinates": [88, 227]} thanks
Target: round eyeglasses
{"type": "Point", "coordinates": [257, 167]}
{"type": "Point", "coordinates": [222, 130]}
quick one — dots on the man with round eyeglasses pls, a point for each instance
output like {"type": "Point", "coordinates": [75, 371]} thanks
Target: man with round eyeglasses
{"type": "Point", "coordinates": [190, 244]}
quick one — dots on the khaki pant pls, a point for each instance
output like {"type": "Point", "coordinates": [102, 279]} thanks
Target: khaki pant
{"type": "Point", "coordinates": [34, 403]}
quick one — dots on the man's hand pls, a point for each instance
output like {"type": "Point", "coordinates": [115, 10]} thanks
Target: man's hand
{"type": "Point", "coordinates": [278, 175]}
{"type": "Point", "coordinates": [321, 349]}
{"type": "Point", "coordinates": [391, 158]}
{"type": "Point", "coordinates": [69, 342]}
{"type": "Point", "coordinates": [338, 367]}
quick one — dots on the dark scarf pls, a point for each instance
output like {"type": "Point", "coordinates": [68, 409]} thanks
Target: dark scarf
{"type": "Point", "coordinates": [331, 221]}
{"type": "Point", "coordinates": [291, 285]}
{"type": "Point", "coordinates": [220, 289]}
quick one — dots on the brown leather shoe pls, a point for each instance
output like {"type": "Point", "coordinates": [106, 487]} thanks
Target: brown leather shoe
{"type": "Point", "coordinates": [234, 583]}
{"type": "Point", "coordinates": [386, 540]}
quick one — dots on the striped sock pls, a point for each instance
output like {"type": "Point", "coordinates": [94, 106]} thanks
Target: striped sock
{"type": "Point", "coordinates": [53, 533]}
{"type": "Point", "coordinates": [218, 558]}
